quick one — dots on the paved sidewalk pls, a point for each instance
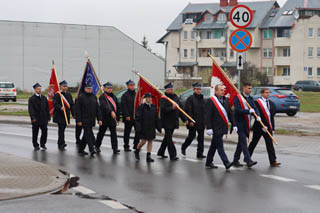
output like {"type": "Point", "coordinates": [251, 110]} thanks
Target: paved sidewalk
{"type": "Point", "coordinates": [20, 177]}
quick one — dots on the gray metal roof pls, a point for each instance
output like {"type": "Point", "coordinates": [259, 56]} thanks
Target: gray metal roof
{"type": "Point", "coordinates": [266, 22]}
{"type": "Point", "coordinates": [185, 64]}
{"type": "Point", "coordinates": [287, 20]}
{"type": "Point", "coordinates": [262, 8]}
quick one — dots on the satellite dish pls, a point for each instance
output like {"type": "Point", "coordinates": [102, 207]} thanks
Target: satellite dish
{"type": "Point", "coordinates": [198, 38]}
{"type": "Point", "coordinates": [296, 14]}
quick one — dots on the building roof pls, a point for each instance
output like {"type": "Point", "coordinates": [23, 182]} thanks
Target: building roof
{"type": "Point", "coordinates": [286, 20]}
{"type": "Point", "coordinates": [261, 9]}
{"type": "Point", "coordinates": [185, 64]}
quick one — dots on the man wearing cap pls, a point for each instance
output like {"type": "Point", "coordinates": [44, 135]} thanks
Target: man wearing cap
{"type": "Point", "coordinates": [87, 113]}
{"type": "Point", "coordinates": [58, 113]}
{"type": "Point", "coordinates": [195, 107]}
{"type": "Point", "coordinates": [170, 121]}
{"type": "Point", "coordinates": [110, 117]}
{"type": "Point", "coordinates": [127, 106]}
{"type": "Point", "coordinates": [38, 108]}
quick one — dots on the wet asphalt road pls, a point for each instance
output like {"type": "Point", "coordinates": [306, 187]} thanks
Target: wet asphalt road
{"type": "Point", "coordinates": [165, 186]}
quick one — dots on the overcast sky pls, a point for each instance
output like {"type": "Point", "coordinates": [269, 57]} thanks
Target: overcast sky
{"type": "Point", "coordinates": [136, 18]}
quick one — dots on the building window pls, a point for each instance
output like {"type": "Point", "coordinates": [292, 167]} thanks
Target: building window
{"type": "Point", "coordinates": [286, 52]}
{"type": "Point", "coordinates": [193, 35]}
{"type": "Point", "coordinates": [318, 51]}
{"type": "Point", "coordinates": [267, 52]}
{"type": "Point", "coordinates": [283, 32]}
{"type": "Point", "coordinates": [310, 32]}
{"type": "Point", "coordinates": [267, 34]}
{"type": "Point", "coordinates": [267, 70]}
{"type": "Point", "coordinates": [309, 71]}
{"type": "Point", "coordinates": [231, 53]}
{"type": "Point", "coordinates": [217, 34]}
{"type": "Point", "coordinates": [318, 71]}
{"type": "Point", "coordinates": [208, 34]}
{"type": "Point", "coordinates": [286, 71]}
{"type": "Point", "coordinates": [318, 32]}
{"type": "Point", "coordinates": [208, 18]}
{"type": "Point", "coordinates": [222, 17]}
{"type": "Point", "coordinates": [192, 53]}
{"type": "Point", "coordinates": [310, 51]}
{"type": "Point", "coordinates": [185, 35]}
{"type": "Point", "coordinates": [185, 53]}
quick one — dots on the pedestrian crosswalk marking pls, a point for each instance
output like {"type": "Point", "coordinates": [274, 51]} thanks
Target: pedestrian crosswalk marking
{"type": "Point", "coordinates": [278, 178]}
{"type": "Point", "coordinates": [113, 204]}
{"type": "Point", "coordinates": [83, 190]}
{"type": "Point", "coordinates": [316, 187]}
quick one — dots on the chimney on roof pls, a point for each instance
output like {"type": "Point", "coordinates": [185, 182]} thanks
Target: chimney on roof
{"type": "Point", "coordinates": [223, 3]}
{"type": "Point", "coordinates": [233, 3]}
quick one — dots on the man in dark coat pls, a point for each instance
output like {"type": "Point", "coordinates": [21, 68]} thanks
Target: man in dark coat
{"type": "Point", "coordinates": [58, 113]}
{"type": "Point", "coordinates": [218, 115]}
{"type": "Point", "coordinates": [267, 111]}
{"type": "Point", "coordinates": [110, 117]}
{"type": "Point", "coordinates": [147, 121]}
{"type": "Point", "coordinates": [127, 106]}
{"type": "Point", "coordinates": [195, 107]}
{"type": "Point", "coordinates": [243, 122]}
{"type": "Point", "coordinates": [170, 121]}
{"type": "Point", "coordinates": [38, 108]}
{"type": "Point", "coordinates": [78, 129]}
{"type": "Point", "coordinates": [87, 113]}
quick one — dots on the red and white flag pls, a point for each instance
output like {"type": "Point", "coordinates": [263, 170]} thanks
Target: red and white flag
{"type": "Point", "coordinates": [52, 90]}
{"type": "Point", "coordinates": [143, 88]}
{"type": "Point", "coordinates": [219, 78]}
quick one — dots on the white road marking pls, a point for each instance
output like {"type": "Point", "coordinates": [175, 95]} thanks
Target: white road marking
{"type": "Point", "coordinates": [316, 187]}
{"type": "Point", "coordinates": [83, 190]}
{"type": "Point", "coordinates": [113, 204]}
{"type": "Point", "coordinates": [278, 178]}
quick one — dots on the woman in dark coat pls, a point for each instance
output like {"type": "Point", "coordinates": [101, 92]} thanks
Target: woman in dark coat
{"type": "Point", "coordinates": [147, 121]}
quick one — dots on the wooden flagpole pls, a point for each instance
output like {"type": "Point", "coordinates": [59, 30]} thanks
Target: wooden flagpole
{"type": "Point", "coordinates": [169, 99]}
{"type": "Point", "coordinates": [62, 102]}
{"type": "Point", "coordinates": [236, 89]}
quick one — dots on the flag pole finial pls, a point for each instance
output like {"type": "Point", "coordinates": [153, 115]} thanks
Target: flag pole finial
{"type": "Point", "coordinates": [86, 54]}
{"type": "Point", "coordinates": [52, 62]}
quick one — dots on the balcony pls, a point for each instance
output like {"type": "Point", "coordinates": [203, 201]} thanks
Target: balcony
{"type": "Point", "coordinates": [282, 61]}
{"type": "Point", "coordinates": [282, 42]}
{"type": "Point", "coordinates": [211, 43]}
{"type": "Point", "coordinates": [207, 62]}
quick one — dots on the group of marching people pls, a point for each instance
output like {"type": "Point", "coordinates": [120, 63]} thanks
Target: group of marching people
{"type": "Point", "coordinates": [211, 116]}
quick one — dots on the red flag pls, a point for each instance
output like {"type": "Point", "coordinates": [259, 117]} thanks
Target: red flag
{"type": "Point", "coordinates": [53, 89]}
{"type": "Point", "coordinates": [143, 88]}
{"type": "Point", "coordinates": [219, 78]}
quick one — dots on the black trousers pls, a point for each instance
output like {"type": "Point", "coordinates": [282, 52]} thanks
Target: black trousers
{"type": "Point", "coordinates": [78, 134]}
{"type": "Point", "coordinates": [113, 136]}
{"type": "Point", "coordinates": [190, 138]}
{"type": "Point", "coordinates": [126, 137]}
{"type": "Point", "coordinates": [61, 129]}
{"type": "Point", "coordinates": [167, 142]}
{"type": "Point", "coordinates": [35, 132]}
{"type": "Point", "coordinates": [88, 139]}
{"type": "Point", "coordinates": [242, 147]}
{"type": "Point", "coordinates": [217, 144]}
{"type": "Point", "coordinates": [269, 144]}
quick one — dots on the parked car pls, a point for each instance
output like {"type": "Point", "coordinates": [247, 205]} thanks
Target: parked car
{"type": "Point", "coordinates": [307, 86]}
{"type": "Point", "coordinates": [284, 99]}
{"type": "Point", "coordinates": [8, 91]}
{"type": "Point", "coordinates": [205, 91]}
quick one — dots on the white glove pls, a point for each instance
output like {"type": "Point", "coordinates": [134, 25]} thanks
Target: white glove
{"type": "Point", "coordinates": [258, 118]}
{"type": "Point", "coordinates": [251, 110]}
{"type": "Point", "coordinates": [210, 132]}
{"type": "Point", "coordinates": [272, 132]}
{"type": "Point", "coordinates": [235, 129]}
{"type": "Point", "coordinates": [264, 130]}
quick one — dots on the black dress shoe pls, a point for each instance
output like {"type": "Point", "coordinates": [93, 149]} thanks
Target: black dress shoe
{"type": "Point", "coordinates": [98, 150]}
{"type": "Point", "coordinates": [183, 152]}
{"type": "Point", "coordinates": [116, 151]}
{"type": "Point", "coordinates": [36, 148]}
{"type": "Point", "coordinates": [162, 156]}
{"type": "Point", "coordinates": [136, 154]}
{"type": "Point", "coordinates": [275, 164]}
{"type": "Point", "coordinates": [43, 147]}
{"type": "Point", "coordinates": [211, 166]}
{"type": "Point", "coordinates": [127, 150]}
{"type": "Point", "coordinates": [237, 164]}
{"type": "Point", "coordinates": [201, 156]}
{"type": "Point", "coordinates": [251, 163]}
{"type": "Point", "coordinates": [83, 153]}
{"type": "Point", "coordinates": [228, 166]}
{"type": "Point", "coordinates": [174, 158]}
{"type": "Point", "coordinates": [93, 153]}
{"type": "Point", "coordinates": [61, 148]}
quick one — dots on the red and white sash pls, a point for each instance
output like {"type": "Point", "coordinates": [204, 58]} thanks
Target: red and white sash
{"type": "Point", "coordinates": [65, 101]}
{"type": "Point", "coordinates": [222, 111]}
{"type": "Point", "coordinates": [265, 111]}
{"type": "Point", "coordinates": [244, 106]}
{"type": "Point", "coordinates": [111, 101]}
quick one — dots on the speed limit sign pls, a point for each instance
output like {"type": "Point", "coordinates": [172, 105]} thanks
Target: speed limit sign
{"type": "Point", "coordinates": [241, 16]}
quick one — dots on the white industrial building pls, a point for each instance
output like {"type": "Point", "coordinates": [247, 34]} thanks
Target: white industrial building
{"type": "Point", "coordinates": [28, 48]}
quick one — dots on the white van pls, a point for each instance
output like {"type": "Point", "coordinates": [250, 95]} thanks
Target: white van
{"type": "Point", "coordinates": [8, 91]}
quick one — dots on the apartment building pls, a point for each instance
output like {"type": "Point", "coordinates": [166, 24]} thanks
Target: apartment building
{"type": "Point", "coordinates": [285, 41]}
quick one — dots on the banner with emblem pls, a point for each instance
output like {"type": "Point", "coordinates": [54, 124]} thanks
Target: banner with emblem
{"type": "Point", "coordinates": [219, 78]}
{"type": "Point", "coordinates": [89, 76]}
{"type": "Point", "coordinates": [53, 89]}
